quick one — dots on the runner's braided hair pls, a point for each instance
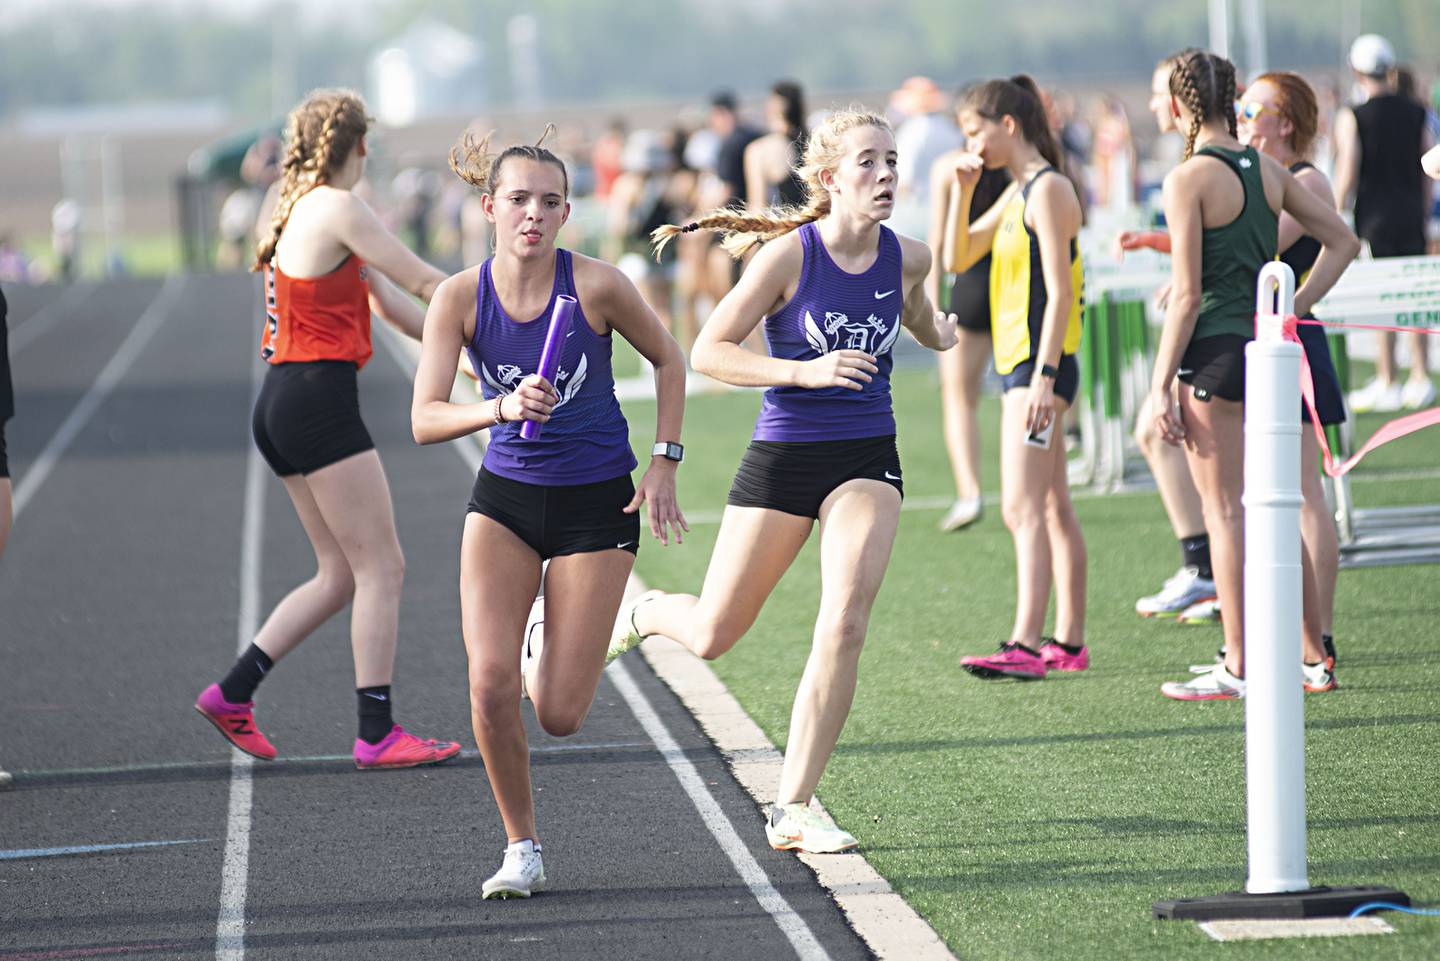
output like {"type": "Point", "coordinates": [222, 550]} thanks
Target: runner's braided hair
{"type": "Point", "coordinates": [473, 163]}
{"type": "Point", "coordinates": [1205, 84]}
{"type": "Point", "coordinates": [743, 229]}
{"type": "Point", "coordinates": [319, 135]}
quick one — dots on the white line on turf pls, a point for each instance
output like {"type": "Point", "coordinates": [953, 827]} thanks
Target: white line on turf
{"type": "Point", "coordinates": [791, 924]}
{"type": "Point", "coordinates": [104, 383]}
{"type": "Point", "coordinates": [235, 870]}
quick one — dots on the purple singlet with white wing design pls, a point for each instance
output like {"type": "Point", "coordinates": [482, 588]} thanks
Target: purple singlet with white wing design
{"type": "Point", "coordinates": [834, 310]}
{"type": "Point", "coordinates": [586, 439]}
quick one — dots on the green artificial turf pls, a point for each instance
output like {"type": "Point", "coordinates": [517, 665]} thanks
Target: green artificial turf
{"type": "Point", "coordinates": [1040, 821]}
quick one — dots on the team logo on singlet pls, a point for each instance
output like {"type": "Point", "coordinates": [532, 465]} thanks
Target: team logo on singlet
{"type": "Point", "coordinates": [507, 377]}
{"type": "Point", "coordinates": [839, 332]}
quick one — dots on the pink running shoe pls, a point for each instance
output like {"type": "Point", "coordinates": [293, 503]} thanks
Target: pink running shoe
{"type": "Point", "coordinates": [400, 748]}
{"type": "Point", "coordinates": [1013, 660]}
{"type": "Point", "coordinates": [235, 721]}
{"type": "Point", "coordinates": [1056, 658]}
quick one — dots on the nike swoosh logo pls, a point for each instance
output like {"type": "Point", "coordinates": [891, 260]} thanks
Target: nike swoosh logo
{"type": "Point", "coordinates": [378, 697]}
{"type": "Point", "coordinates": [625, 545]}
{"type": "Point", "coordinates": [882, 296]}
{"type": "Point", "coordinates": [1184, 372]}
{"type": "Point", "coordinates": [569, 333]}
{"type": "Point", "coordinates": [890, 476]}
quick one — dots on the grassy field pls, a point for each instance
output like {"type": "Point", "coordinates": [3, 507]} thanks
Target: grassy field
{"type": "Point", "coordinates": [1040, 821]}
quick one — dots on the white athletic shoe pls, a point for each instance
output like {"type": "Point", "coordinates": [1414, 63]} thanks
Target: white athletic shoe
{"type": "Point", "coordinates": [626, 636]}
{"type": "Point", "coordinates": [1184, 588]}
{"type": "Point", "coordinates": [964, 512]}
{"type": "Point", "coordinates": [521, 874]}
{"type": "Point", "coordinates": [1217, 684]}
{"type": "Point", "coordinates": [795, 827]}
{"type": "Point", "coordinates": [1417, 394]}
{"type": "Point", "coordinates": [6, 779]}
{"type": "Point", "coordinates": [1201, 612]}
{"type": "Point", "coordinates": [1377, 396]}
{"type": "Point", "coordinates": [534, 641]}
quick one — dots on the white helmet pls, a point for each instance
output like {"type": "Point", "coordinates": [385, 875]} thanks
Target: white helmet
{"type": "Point", "coordinates": [1372, 55]}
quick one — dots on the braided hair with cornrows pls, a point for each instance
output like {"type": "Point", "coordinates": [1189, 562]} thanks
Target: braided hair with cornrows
{"type": "Point", "coordinates": [319, 136]}
{"type": "Point", "coordinates": [745, 229]}
{"type": "Point", "coordinates": [473, 163]}
{"type": "Point", "coordinates": [1205, 84]}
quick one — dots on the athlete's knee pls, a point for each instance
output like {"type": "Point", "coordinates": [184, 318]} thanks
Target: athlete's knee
{"type": "Point", "coordinates": [336, 583]}
{"type": "Point", "coordinates": [494, 699]}
{"type": "Point", "coordinates": [561, 721]}
{"type": "Point", "coordinates": [1020, 512]}
{"type": "Point", "coordinates": [711, 636]}
{"type": "Point", "coordinates": [842, 634]}
{"type": "Point", "coordinates": [384, 568]}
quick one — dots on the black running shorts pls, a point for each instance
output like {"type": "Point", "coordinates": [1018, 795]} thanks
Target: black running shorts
{"type": "Point", "coordinates": [4, 457]}
{"type": "Point", "coordinates": [1215, 367]}
{"type": "Point", "coordinates": [560, 519]}
{"type": "Point", "coordinates": [969, 297]}
{"type": "Point", "coordinates": [308, 416]}
{"type": "Point", "coordinates": [1067, 382]}
{"type": "Point", "coordinates": [796, 476]}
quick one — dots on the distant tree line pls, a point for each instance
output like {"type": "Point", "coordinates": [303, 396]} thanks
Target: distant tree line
{"type": "Point", "coordinates": [608, 51]}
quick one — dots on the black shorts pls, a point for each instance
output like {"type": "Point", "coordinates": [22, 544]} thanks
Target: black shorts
{"type": "Point", "coordinates": [1067, 382]}
{"type": "Point", "coordinates": [1329, 402]}
{"type": "Point", "coordinates": [796, 476]}
{"type": "Point", "coordinates": [969, 297]}
{"type": "Point", "coordinates": [1406, 241]}
{"type": "Point", "coordinates": [308, 416]}
{"type": "Point", "coordinates": [1215, 367]}
{"type": "Point", "coordinates": [560, 519]}
{"type": "Point", "coordinates": [4, 457]}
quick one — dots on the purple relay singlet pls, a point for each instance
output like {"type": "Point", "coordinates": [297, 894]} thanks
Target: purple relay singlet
{"type": "Point", "coordinates": [834, 310]}
{"type": "Point", "coordinates": [586, 439]}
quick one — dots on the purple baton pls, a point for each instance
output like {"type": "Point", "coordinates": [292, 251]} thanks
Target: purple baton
{"type": "Point", "coordinates": [550, 354]}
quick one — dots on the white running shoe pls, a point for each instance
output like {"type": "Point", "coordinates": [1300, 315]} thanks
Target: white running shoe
{"type": "Point", "coordinates": [1201, 612]}
{"type": "Point", "coordinates": [964, 512]}
{"type": "Point", "coordinates": [521, 874]}
{"type": "Point", "coordinates": [1377, 396]}
{"type": "Point", "coordinates": [1184, 588]}
{"type": "Point", "coordinates": [1417, 394]}
{"type": "Point", "coordinates": [6, 779]}
{"type": "Point", "coordinates": [1216, 684]}
{"type": "Point", "coordinates": [625, 635]}
{"type": "Point", "coordinates": [534, 642]}
{"type": "Point", "coordinates": [1319, 677]}
{"type": "Point", "coordinates": [795, 827]}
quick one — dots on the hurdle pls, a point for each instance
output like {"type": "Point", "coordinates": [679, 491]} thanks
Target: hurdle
{"type": "Point", "coordinates": [1277, 883]}
{"type": "Point", "coordinates": [1396, 292]}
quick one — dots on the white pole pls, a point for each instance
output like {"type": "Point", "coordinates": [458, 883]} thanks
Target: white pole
{"type": "Point", "coordinates": [1252, 18]}
{"type": "Point", "coordinates": [1274, 712]}
{"type": "Point", "coordinates": [1220, 27]}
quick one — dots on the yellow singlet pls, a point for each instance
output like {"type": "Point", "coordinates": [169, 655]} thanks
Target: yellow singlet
{"type": "Point", "coordinates": [1017, 287]}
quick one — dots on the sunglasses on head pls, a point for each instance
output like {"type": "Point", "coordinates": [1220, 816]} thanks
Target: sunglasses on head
{"type": "Point", "coordinates": [1248, 109]}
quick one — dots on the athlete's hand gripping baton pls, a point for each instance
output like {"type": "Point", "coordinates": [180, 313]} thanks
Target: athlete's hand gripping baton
{"type": "Point", "coordinates": [550, 354]}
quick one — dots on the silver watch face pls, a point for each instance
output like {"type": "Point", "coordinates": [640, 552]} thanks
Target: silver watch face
{"type": "Point", "coordinates": [673, 452]}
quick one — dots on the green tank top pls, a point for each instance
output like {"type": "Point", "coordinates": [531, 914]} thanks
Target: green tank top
{"type": "Point", "coordinates": [1231, 256]}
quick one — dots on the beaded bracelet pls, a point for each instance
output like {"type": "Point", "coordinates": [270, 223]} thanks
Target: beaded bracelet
{"type": "Point", "coordinates": [498, 414]}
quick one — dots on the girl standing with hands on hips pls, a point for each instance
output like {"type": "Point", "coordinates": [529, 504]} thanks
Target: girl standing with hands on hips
{"type": "Point", "coordinates": [1035, 293]}
{"type": "Point", "coordinates": [1222, 207]}
{"type": "Point", "coordinates": [565, 496]}
{"type": "Point", "coordinates": [832, 286]}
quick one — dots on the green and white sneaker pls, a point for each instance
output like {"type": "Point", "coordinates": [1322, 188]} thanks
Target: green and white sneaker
{"type": "Point", "coordinates": [795, 827]}
{"type": "Point", "coordinates": [626, 635]}
{"type": "Point", "coordinates": [520, 875]}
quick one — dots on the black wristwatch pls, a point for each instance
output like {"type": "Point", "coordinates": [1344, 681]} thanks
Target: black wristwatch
{"type": "Point", "coordinates": [669, 450]}
{"type": "Point", "coordinates": [1051, 371]}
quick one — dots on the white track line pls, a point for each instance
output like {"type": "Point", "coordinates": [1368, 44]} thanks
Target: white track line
{"type": "Point", "coordinates": [120, 362]}
{"type": "Point", "coordinates": [751, 873]}
{"type": "Point", "coordinates": [23, 335]}
{"type": "Point", "coordinates": [235, 871]}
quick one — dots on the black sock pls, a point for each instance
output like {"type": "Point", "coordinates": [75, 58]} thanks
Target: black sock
{"type": "Point", "coordinates": [250, 669]}
{"type": "Point", "coordinates": [1196, 551]}
{"type": "Point", "coordinates": [375, 717]}
{"type": "Point", "coordinates": [1069, 648]}
{"type": "Point", "coordinates": [1329, 643]}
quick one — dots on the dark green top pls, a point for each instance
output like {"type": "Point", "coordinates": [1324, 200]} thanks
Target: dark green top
{"type": "Point", "coordinates": [1231, 256]}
